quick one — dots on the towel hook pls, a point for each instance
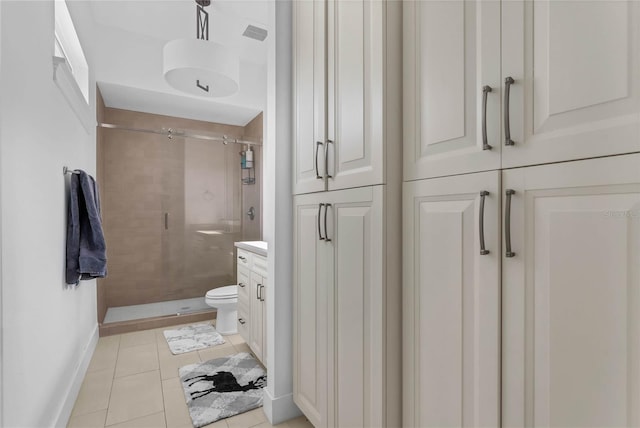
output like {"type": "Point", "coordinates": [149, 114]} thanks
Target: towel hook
{"type": "Point", "coordinates": [66, 170]}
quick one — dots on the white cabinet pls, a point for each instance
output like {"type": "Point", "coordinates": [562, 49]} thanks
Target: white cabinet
{"type": "Point", "coordinates": [565, 284]}
{"type": "Point", "coordinates": [574, 91]}
{"type": "Point", "coordinates": [345, 365]}
{"type": "Point", "coordinates": [571, 295]}
{"type": "Point", "coordinates": [347, 93]}
{"type": "Point", "coordinates": [252, 283]}
{"type": "Point", "coordinates": [576, 71]}
{"type": "Point", "coordinates": [452, 301]}
{"type": "Point", "coordinates": [451, 52]}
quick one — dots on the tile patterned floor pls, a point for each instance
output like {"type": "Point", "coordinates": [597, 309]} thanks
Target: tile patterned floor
{"type": "Point", "coordinates": [132, 382]}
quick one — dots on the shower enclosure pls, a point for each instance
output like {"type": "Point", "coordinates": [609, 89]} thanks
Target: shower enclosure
{"type": "Point", "coordinates": [172, 209]}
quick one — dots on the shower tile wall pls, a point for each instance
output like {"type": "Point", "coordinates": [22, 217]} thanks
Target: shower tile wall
{"type": "Point", "coordinates": [252, 193]}
{"type": "Point", "coordinates": [144, 176]}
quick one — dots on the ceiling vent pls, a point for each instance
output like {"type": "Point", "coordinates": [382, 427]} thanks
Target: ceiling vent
{"type": "Point", "coordinates": [256, 33]}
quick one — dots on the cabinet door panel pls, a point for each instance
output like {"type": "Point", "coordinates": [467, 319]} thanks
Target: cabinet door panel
{"type": "Point", "coordinates": [255, 326]}
{"type": "Point", "coordinates": [310, 312]}
{"type": "Point", "coordinates": [572, 295]}
{"type": "Point", "coordinates": [355, 64]}
{"type": "Point", "coordinates": [451, 50]}
{"type": "Point", "coordinates": [451, 302]}
{"type": "Point", "coordinates": [356, 305]}
{"type": "Point", "coordinates": [309, 95]}
{"type": "Point", "coordinates": [576, 67]}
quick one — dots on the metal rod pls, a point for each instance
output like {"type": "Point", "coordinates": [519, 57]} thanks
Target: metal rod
{"type": "Point", "coordinates": [171, 132]}
{"type": "Point", "coordinates": [66, 170]}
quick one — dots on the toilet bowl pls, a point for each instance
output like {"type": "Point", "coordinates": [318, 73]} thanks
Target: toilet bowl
{"type": "Point", "coordinates": [225, 300]}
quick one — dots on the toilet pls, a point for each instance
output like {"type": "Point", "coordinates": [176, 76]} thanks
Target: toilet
{"type": "Point", "coordinates": [225, 300]}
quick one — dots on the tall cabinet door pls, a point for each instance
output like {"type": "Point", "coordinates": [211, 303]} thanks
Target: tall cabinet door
{"type": "Point", "coordinates": [356, 324]}
{"type": "Point", "coordinates": [575, 67]}
{"type": "Point", "coordinates": [309, 101]}
{"type": "Point", "coordinates": [451, 296]}
{"type": "Point", "coordinates": [310, 314]}
{"type": "Point", "coordinates": [571, 295]}
{"type": "Point", "coordinates": [451, 52]}
{"type": "Point", "coordinates": [355, 90]}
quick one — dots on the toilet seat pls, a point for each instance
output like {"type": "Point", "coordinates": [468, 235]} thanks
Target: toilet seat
{"type": "Point", "coordinates": [223, 293]}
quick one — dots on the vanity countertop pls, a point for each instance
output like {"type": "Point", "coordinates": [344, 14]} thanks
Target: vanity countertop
{"type": "Point", "coordinates": [258, 247]}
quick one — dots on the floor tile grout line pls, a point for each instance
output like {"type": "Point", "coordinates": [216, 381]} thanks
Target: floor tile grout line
{"type": "Point", "coordinates": [113, 377]}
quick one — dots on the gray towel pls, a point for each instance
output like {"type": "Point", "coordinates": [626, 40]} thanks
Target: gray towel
{"type": "Point", "coordinates": [86, 247]}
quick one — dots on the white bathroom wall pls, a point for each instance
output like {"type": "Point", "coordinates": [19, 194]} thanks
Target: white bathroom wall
{"type": "Point", "coordinates": [48, 330]}
{"type": "Point", "coordinates": [278, 217]}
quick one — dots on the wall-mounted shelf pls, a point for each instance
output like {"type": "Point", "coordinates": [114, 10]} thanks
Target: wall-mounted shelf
{"type": "Point", "coordinates": [249, 177]}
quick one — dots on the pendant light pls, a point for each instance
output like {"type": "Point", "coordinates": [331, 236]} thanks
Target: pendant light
{"type": "Point", "coordinates": [198, 66]}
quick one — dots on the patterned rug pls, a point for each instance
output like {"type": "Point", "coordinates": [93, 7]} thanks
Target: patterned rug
{"type": "Point", "coordinates": [192, 338]}
{"type": "Point", "coordinates": [223, 387]}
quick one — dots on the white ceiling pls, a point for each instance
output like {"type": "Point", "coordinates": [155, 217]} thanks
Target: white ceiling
{"type": "Point", "coordinates": [123, 40]}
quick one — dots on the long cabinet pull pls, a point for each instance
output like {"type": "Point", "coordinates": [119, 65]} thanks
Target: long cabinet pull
{"type": "Point", "coordinates": [483, 251]}
{"type": "Point", "coordinates": [507, 128]}
{"type": "Point", "coordinates": [326, 232]}
{"type": "Point", "coordinates": [261, 293]}
{"type": "Point", "coordinates": [507, 223]}
{"type": "Point", "coordinates": [166, 221]}
{"type": "Point", "coordinates": [318, 144]}
{"type": "Point", "coordinates": [485, 91]}
{"type": "Point", "coordinates": [326, 159]}
{"type": "Point", "coordinates": [320, 237]}
{"type": "Point", "coordinates": [258, 291]}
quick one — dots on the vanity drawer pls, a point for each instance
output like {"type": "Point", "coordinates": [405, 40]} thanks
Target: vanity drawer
{"type": "Point", "coordinates": [243, 258]}
{"type": "Point", "coordinates": [259, 265]}
{"type": "Point", "coordinates": [243, 285]}
{"type": "Point", "coordinates": [243, 322]}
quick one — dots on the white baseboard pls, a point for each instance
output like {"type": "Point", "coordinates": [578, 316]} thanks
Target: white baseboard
{"type": "Point", "coordinates": [280, 409]}
{"type": "Point", "coordinates": [74, 386]}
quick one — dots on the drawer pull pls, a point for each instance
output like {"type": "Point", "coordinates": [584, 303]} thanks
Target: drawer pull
{"type": "Point", "coordinates": [242, 285]}
{"type": "Point", "coordinates": [507, 224]}
{"type": "Point", "coordinates": [242, 321]}
{"type": "Point", "coordinates": [243, 258]}
{"type": "Point", "coordinates": [485, 91]}
{"type": "Point", "coordinates": [507, 128]}
{"type": "Point", "coordinates": [483, 250]}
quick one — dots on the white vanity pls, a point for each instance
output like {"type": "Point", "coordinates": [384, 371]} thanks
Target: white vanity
{"type": "Point", "coordinates": [251, 261]}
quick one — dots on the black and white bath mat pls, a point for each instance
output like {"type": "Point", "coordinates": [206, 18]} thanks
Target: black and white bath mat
{"type": "Point", "coordinates": [192, 338]}
{"type": "Point", "coordinates": [223, 387]}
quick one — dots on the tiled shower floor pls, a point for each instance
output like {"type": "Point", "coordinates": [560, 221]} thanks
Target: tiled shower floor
{"type": "Point", "coordinates": [151, 310]}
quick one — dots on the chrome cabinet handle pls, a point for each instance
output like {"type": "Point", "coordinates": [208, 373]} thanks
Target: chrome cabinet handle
{"type": "Point", "coordinates": [241, 321]}
{"type": "Point", "coordinates": [326, 159]}
{"type": "Point", "coordinates": [507, 128]}
{"type": "Point", "coordinates": [241, 285]}
{"type": "Point", "coordinates": [326, 233]}
{"type": "Point", "coordinates": [507, 223]}
{"type": "Point", "coordinates": [243, 258]}
{"type": "Point", "coordinates": [485, 91]}
{"type": "Point", "coordinates": [258, 291]}
{"type": "Point", "coordinates": [261, 293]}
{"type": "Point", "coordinates": [318, 144]}
{"type": "Point", "coordinates": [483, 251]}
{"type": "Point", "coordinates": [320, 237]}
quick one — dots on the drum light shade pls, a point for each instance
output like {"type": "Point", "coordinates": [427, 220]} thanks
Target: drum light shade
{"type": "Point", "coordinates": [200, 67]}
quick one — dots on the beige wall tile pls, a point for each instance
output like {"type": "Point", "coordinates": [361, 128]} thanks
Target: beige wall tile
{"type": "Point", "coordinates": [135, 396]}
